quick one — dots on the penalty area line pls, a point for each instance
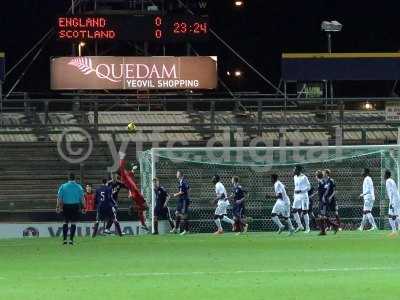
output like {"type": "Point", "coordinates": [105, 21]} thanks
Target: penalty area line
{"type": "Point", "coordinates": [205, 273]}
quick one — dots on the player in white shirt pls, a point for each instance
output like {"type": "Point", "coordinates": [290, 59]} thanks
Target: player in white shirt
{"type": "Point", "coordinates": [394, 202]}
{"type": "Point", "coordinates": [222, 202]}
{"type": "Point", "coordinates": [368, 195]}
{"type": "Point", "coordinates": [282, 205]}
{"type": "Point", "coordinates": [301, 202]}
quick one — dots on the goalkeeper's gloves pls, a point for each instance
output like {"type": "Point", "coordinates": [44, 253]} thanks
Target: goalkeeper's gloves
{"type": "Point", "coordinates": [121, 155]}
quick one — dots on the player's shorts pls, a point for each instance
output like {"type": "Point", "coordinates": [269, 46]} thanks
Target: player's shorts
{"type": "Point", "coordinates": [301, 201]}
{"type": "Point", "coordinates": [238, 211]}
{"type": "Point", "coordinates": [368, 204]}
{"type": "Point", "coordinates": [221, 209]}
{"type": "Point", "coordinates": [139, 201]}
{"type": "Point", "coordinates": [325, 208]}
{"type": "Point", "coordinates": [182, 207]}
{"type": "Point", "coordinates": [219, 216]}
{"type": "Point", "coordinates": [106, 213]}
{"type": "Point", "coordinates": [161, 212]}
{"type": "Point", "coordinates": [332, 206]}
{"type": "Point", "coordinates": [395, 210]}
{"type": "Point", "coordinates": [71, 212]}
{"type": "Point", "coordinates": [281, 208]}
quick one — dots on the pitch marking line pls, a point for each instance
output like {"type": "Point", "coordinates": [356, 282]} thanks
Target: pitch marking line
{"type": "Point", "coordinates": [200, 273]}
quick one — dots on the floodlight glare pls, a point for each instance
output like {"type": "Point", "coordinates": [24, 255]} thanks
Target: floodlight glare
{"type": "Point", "coordinates": [368, 106]}
{"type": "Point", "coordinates": [239, 3]}
{"type": "Point", "coordinates": [238, 73]}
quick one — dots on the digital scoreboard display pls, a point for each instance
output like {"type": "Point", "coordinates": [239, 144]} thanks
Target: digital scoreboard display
{"type": "Point", "coordinates": [154, 28]}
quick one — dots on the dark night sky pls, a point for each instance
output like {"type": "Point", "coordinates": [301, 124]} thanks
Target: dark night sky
{"type": "Point", "coordinates": [260, 32]}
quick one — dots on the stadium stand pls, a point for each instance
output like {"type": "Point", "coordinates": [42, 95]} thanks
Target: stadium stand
{"type": "Point", "coordinates": [359, 127]}
{"type": "Point", "coordinates": [29, 182]}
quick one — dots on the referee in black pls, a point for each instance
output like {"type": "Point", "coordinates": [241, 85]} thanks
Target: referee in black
{"type": "Point", "coordinates": [70, 200]}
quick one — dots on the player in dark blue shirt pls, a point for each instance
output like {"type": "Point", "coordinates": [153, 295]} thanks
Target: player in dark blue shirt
{"type": "Point", "coordinates": [161, 209]}
{"type": "Point", "coordinates": [182, 207]}
{"type": "Point", "coordinates": [321, 221]}
{"type": "Point", "coordinates": [327, 202]}
{"type": "Point", "coordinates": [330, 199]}
{"type": "Point", "coordinates": [116, 185]}
{"type": "Point", "coordinates": [105, 207]}
{"type": "Point", "coordinates": [239, 196]}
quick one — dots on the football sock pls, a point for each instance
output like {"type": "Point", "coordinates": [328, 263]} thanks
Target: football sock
{"type": "Point", "coordinates": [307, 221]}
{"type": "Point", "coordinates": [371, 219]}
{"type": "Point", "coordinates": [186, 224]}
{"type": "Point", "coordinates": [65, 231]}
{"type": "Point", "coordinates": [330, 223]}
{"type": "Point", "coordinates": [363, 221]}
{"type": "Point", "coordinates": [218, 223]}
{"type": "Point", "coordinates": [322, 225]}
{"type": "Point", "coordinates": [290, 225]}
{"type": "Point", "coordinates": [227, 220]}
{"type": "Point", "coordinates": [297, 219]}
{"type": "Point", "coordinates": [155, 226]}
{"type": "Point", "coordinates": [95, 229]}
{"type": "Point", "coordinates": [72, 230]}
{"type": "Point", "coordinates": [118, 228]}
{"type": "Point", "coordinates": [141, 218]}
{"type": "Point", "coordinates": [238, 227]}
{"type": "Point", "coordinates": [392, 224]}
{"type": "Point", "coordinates": [398, 223]}
{"type": "Point", "coordinates": [171, 224]}
{"type": "Point", "coordinates": [177, 222]}
{"type": "Point", "coordinates": [277, 221]}
{"type": "Point", "coordinates": [338, 223]}
{"type": "Point", "coordinates": [109, 224]}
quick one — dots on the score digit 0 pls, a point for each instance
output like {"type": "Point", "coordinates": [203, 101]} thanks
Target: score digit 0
{"type": "Point", "coordinates": [158, 32]}
{"type": "Point", "coordinates": [158, 21]}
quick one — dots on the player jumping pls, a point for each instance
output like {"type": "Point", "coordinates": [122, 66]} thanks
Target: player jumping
{"type": "Point", "coordinates": [301, 200]}
{"type": "Point", "coordinates": [182, 207]}
{"type": "Point", "coordinates": [282, 205]}
{"type": "Point", "coordinates": [115, 185]}
{"type": "Point", "coordinates": [161, 210]}
{"type": "Point", "coordinates": [394, 202]}
{"type": "Point", "coordinates": [222, 202]}
{"type": "Point", "coordinates": [105, 207]}
{"type": "Point", "coordinates": [368, 195]}
{"type": "Point", "coordinates": [239, 197]}
{"type": "Point", "coordinates": [127, 178]}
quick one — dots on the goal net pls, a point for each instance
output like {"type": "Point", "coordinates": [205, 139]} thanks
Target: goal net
{"type": "Point", "coordinates": [254, 167]}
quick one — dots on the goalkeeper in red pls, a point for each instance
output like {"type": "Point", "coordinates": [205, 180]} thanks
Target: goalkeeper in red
{"type": "Point", "coordinates": [128, 179]}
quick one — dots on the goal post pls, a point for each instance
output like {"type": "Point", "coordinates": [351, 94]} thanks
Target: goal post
{"type": "Point", "coordinates": [254, 166]}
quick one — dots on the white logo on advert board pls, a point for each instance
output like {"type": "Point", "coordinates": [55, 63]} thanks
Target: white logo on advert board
{"type": "Point", "coordinates": [117, 72]}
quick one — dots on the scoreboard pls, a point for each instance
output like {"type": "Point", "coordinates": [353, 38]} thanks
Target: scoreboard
{"type": "Point", "coordinates": [153, 28]}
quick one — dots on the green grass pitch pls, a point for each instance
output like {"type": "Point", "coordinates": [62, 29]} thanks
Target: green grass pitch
{"type": "Point", "coordinates": [350, 265]}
